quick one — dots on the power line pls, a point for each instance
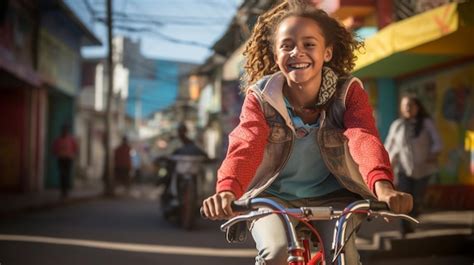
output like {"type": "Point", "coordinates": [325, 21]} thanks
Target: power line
{"type": "Point", "coordinates": [161, 35]}
{"type": "Point", "coordinates": [167, 18]}
{"type": "Point", "coordinates": [158, 22]}
{"type": "Point", "coordinates": [89, 8]}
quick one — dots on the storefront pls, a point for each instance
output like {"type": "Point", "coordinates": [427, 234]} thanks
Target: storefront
{"type": "Point", "coordinates": [20, 101]}
{"type": "Point", "coordinates": [59, 66]}
{"type": "Point", "coordinates": [430, 55]}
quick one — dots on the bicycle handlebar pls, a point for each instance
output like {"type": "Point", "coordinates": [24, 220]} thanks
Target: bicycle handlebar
{"type": "Point", "coordinates": [313, 213]}
{"type": "Point", "coordinates": [241, 205]}
{"type": "Point", "coordinates": [378, 206]}
{"type": "Point", "coordinates": [237, 206]}
{"type": "Point", "coordinates": [256, 208]}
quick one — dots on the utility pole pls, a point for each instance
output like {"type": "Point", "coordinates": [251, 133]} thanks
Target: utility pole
{"type": "Point", "coordinates": [108, 173]}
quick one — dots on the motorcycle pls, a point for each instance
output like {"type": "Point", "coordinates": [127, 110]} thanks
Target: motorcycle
{"type": "Point", "coordinates": [181, 198]}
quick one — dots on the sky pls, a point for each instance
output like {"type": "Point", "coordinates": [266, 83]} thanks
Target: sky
{"type": "Point", "coordinates": [181, 30]}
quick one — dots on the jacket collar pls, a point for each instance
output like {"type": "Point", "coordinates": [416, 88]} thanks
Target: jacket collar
{"type": "Point", "coordinates": [273, 94]}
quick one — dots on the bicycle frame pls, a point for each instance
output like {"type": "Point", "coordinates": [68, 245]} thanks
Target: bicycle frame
{"type": "Point", "coordinates": [299, 252]}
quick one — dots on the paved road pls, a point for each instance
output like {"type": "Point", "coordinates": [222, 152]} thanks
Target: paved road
{"type": "Point", "coordinates": [112, 231]}
{"type": "Point", "coordinates": [130, 230]}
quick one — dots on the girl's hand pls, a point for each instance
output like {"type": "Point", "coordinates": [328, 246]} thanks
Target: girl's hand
{"type": "Point", "coordinates": [217, 206]}
{"type": "Point", "coordinates": [398, 202]}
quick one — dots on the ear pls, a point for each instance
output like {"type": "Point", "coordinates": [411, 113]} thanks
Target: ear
{"type": "Point", "coordinates": [328, 54]}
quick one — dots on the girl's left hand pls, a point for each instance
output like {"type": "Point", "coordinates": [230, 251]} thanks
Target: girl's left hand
{"type": "Point", "coordinates": [399, 202]}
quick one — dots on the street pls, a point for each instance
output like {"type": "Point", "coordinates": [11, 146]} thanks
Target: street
{"type": "Point", "coordinates": [130, 230]}
{"type": "Point", "coordinates": [117, 231]}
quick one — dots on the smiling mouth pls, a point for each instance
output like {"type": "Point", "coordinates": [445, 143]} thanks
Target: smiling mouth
{"type": "Point", "coordinates": [298, 66]}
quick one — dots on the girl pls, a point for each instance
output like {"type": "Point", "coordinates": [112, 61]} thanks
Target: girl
{"type": "Point", "coordinates": [306, 134]}
{"type": "Point", "coordinates": [413, 144]}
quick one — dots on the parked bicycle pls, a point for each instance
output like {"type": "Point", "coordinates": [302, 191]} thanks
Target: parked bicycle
{"type": "Point", "coordinates": [299, 247]}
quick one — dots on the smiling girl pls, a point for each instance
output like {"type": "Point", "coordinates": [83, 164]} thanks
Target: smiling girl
{"type": "Point", "coordinates": [306, 134]}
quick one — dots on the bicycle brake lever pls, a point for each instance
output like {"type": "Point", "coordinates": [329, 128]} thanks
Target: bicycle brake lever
{"type": "Point", "coordinates": [402, 216]}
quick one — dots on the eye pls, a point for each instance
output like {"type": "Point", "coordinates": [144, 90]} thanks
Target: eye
{"type": "Point", "coordinates": [310, 44]}
{"type": "Point", "coordinates": [286, 47]}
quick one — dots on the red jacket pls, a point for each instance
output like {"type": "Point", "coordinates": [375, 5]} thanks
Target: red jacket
{"type": "Point", "coordinates": [65, 147]}
{"type": "Point", "coordinates": [122, 158]}
{"type": "Point", "coordinates": [247, 143]}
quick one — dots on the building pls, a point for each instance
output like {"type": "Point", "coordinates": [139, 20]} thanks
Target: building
{"type": "Point", "coordinates": [154, 85]}
{"type": "Point", "coordinates": [40, 72]}
{"type": "Point", "coordinates": [89, 120]}
{"type": "Point", "coordinates": [429, 53]}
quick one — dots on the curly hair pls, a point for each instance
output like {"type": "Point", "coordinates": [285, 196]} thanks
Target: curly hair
{"type": "Point", "coordinates": [259, 48]}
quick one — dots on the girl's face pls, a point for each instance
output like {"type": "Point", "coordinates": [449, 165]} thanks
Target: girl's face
{"type": "Point", "coordinates": [408, 108]}
{"type": "Point", "coordinates": [300, 50]}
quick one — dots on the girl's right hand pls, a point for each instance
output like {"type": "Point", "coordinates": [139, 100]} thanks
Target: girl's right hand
{"type": "Point", "coordinates": [217, 207]}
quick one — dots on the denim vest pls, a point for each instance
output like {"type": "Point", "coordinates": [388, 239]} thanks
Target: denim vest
{"type": "Point", "coordinates": [333, 143]}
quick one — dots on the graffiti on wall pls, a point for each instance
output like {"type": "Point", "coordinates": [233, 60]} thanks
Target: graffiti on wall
{"type": "Point", "coordinates": [448, 97]}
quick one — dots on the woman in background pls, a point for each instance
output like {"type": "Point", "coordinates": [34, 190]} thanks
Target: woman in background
{"type": "Point", "coordinates": [413, 144]}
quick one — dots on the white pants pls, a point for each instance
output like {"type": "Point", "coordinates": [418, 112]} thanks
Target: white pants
{"type": "Point", "coordinates": [270, 238]}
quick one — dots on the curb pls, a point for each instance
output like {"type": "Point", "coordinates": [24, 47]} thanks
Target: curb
{"type": "Point", "coordinates": [49, 204]}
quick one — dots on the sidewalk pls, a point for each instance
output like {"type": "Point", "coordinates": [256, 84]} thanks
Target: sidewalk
{"type": "Point", "coordinates": [12, 203]}
{"type": "Point", "coordinates": [440, 235]}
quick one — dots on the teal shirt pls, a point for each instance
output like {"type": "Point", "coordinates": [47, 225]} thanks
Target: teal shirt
{"type": "Point", "coordinates": [305, 175]}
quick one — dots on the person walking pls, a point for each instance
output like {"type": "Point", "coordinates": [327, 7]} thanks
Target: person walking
{"type": "Point", "coordinates": [303, 123]}
{"type": "Point", "coordinates": [65, 149]}
{"type": "Point", "coordinates": [413, 144]}
{"type": "Point", "coordinates": [123, 163]}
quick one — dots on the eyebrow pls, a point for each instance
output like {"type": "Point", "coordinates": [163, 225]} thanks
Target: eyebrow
{"type": "Point", "coordinates": [305, 38]}
{"type": "Point", "coordinates": [311, 37]}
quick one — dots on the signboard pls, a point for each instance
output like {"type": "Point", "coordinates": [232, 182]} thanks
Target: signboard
{"type": "Point", "coordinates": [59, 65]}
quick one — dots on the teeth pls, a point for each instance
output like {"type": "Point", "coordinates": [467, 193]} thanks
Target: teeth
{"type": "Point", "coordinates": [299, 65]}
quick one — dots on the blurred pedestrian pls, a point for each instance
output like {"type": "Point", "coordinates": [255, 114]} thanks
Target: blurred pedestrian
{"type": "Point", "coordinates": [65, 149]}
{"type": "Point", "coordinates": [123, 163]}
{"type": "Point", "coordinates": [413, 144]}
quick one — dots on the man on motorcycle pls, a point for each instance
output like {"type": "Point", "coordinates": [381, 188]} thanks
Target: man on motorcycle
{"type": "Point", "coordinates": [187, 149]}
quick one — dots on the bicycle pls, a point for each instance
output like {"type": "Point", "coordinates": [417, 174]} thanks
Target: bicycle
{"type": "Point", "coordinates": [299, 249]}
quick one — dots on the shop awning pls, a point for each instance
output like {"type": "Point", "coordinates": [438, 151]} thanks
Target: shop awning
{"type": "Point", "coordinates": [428, 39]}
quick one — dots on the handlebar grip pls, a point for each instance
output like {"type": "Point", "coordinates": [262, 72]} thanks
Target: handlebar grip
{"type": "Point", "coordinates": [237, 206]}
{"type": "Point", "coordinates": [241, 205]}
{"type": "Point", "coordinates": [378, 206]}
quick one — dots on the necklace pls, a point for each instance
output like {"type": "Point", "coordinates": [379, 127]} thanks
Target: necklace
{"type": "Point", "coordinates": [300, 109]}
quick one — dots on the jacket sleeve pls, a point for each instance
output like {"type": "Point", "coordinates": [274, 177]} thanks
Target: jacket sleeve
{"type": "Point", "coordinates": [246, 147]}
{"type": "Point", "coordinates": [436, 143]}
{"type": "Point", "coordinates": [365, 145]}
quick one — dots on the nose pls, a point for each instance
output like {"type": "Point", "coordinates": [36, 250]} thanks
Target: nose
{"type": "Point", "coordinates": [296, 52]}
